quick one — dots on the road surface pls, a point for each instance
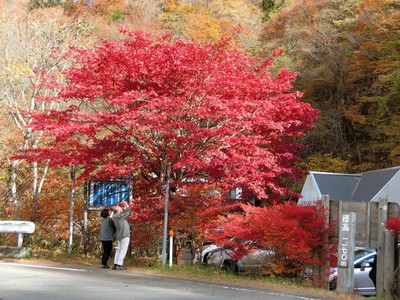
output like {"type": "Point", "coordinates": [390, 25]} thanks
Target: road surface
{"type": "Point", "coordinates": [19, 281]}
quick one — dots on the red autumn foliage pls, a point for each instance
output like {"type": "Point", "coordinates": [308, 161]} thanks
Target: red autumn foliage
{"type": "Point", "coordinates": [215, 114]}
{"type": "Point", "coordinates": [135, 105]}
{"type": "Point", "coordinates": [188, 211]}
{"type": "Point", "coordinates": [293, 233]}
{"type": "Point", "coordinates": [393, 224]}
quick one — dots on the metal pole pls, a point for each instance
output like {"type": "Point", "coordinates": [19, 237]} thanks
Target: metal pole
{"type": "Point", "coordinates": [85, 230]}
{"type": "Point", "coordinates": [71, 212]}
{"type": "Point", "coordinates": [164, 244]}
{"type": "Point", "coordinates": [130, 187]}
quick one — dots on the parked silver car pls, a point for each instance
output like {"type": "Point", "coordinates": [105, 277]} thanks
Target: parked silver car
{"type": "Point", "coordinates": [254, 262]}
{"type": "Point", "coordinates": [224, 259]}
{"type": "Point", "coordinates": [363, 260]}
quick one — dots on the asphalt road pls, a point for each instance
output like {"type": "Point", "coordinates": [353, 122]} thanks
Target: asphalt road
{"type": "Point", "coordinates": [33, 281]}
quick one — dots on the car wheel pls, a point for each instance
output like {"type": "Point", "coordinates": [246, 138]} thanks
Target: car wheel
{"type": "Point", "coordinates": [205, 259]}
{"type": "Point", "coordinates": [236, 269]}
{"type": "Point", "coordinates": [227, 265]}
{"type": "Point", "coordinates": [332, 284]}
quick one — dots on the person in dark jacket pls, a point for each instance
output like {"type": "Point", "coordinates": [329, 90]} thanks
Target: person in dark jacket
{"type": "Point", "coordinates": [372, 272]}
{"type": "Point", "coordinates": [122, 235]}
{"type": "Point", "coordinates": [106, 236]}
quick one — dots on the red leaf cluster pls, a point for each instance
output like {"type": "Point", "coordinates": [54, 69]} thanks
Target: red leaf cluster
{"type": "Point", "coordinates": [393, 224]}
{"type": "Point", "coordinates": [293, 233]}
{"type": "Point", "coordinates": [134, 105]}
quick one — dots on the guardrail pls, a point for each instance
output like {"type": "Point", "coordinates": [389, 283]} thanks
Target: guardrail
{"type": "Point", "coordinates": [19, 227]}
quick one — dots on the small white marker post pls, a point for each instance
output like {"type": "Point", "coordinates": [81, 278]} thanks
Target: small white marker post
{"type": "Point", "coordinates": [171, 244]}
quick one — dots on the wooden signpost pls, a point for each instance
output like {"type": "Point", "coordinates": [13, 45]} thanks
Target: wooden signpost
{"type": "Point", "coordinates": [346, 247]}
{"type": "Point", "coordinates": [361, 224]}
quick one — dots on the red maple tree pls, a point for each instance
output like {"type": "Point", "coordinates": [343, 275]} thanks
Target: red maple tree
{"type": "Point", "coordinates": [215, 114]}
{"type": "Point", "coordinates": [293, 234]}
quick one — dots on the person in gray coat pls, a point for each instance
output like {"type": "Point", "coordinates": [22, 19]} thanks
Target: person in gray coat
{"type": "Point", "coordinates": [122, 234]}
{"type": "Point", "coordinates": [106, 236]}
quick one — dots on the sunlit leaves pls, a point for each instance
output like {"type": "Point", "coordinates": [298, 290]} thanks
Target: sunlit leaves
{"type": "Point", "coordinates": [206, 109]}
{"type": "Point", "coordinates": [207, 21]}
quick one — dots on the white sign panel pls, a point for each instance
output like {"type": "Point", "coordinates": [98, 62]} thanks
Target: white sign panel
{"type": "Point", "coordinates": [344, 242]}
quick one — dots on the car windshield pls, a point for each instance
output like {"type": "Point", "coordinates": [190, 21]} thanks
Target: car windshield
{"type": "Point", "coordinates": [359, 253]}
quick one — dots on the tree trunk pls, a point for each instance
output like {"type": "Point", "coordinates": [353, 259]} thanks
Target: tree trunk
{"type": "Point", "coordinates": [38, 184]}
{"type": "Point", "coordinates": [13, 187]}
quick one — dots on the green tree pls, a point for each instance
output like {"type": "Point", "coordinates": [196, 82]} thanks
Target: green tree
{"type": "Point", "coordinates": [269, 6]}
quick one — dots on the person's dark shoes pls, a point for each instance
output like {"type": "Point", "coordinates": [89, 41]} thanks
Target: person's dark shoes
{"type": "Point", "coordinates": [120, 267]}
{"type": "Point", "coordinates": [105, 267]}
{"type": "Point", "coordinates": [114, 267]}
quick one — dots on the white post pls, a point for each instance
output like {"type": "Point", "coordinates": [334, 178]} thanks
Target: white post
{"type": "Point", "coordinates": [171, 245]}
{"type": "Point", "coordinates": [20, 239]}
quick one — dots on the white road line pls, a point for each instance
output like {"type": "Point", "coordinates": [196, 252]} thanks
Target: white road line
{"type": "Point", "coordinates": [41, 267]}
{"type": "Point", "coordinates": [286, 296]}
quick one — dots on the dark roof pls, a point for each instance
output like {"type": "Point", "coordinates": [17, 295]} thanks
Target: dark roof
{"type": "Point", "coordinates": [337, 186]}
{"type": "Point", "coordinates": [354, 187]}
{"type": "Point", "coordinates": [372, 182]}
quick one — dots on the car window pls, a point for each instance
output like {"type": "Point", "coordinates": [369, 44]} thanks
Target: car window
{"type": "Point", "coordinates": [368, 260]}
{"type": "Point", "coordinates": [359, 253]}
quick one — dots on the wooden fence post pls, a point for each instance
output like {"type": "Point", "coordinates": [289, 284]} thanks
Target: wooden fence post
{"type": "Point", "coordinates": [325, 255]}
{"type": "Point", "coordinates": [389, 261]}
{"type": "Point", "coordinates": [382, 218]}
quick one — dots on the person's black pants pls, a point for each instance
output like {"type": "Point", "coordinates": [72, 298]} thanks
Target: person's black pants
{"type": "Point", "coordinates": [107, 248]}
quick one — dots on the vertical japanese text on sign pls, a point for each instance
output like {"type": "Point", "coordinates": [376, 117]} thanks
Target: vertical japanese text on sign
{"type": "Point", "coordinates": [344, 241]}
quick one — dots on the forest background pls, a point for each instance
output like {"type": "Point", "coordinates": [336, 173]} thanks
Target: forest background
{"type": "Point", "coordinates": [345, 52]}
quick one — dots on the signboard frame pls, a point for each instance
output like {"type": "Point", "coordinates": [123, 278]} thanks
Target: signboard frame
{"type": "Point", "coordinates": [108, 192]}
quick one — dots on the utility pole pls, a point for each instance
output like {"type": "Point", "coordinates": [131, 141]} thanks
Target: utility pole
{"type": "Point", "coordinates": [71, 212]}
{"type": "Point", "coordinates": [164, 243]}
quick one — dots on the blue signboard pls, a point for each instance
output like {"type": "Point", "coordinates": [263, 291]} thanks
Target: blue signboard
{"type": "Point", "coordinates": [108, 193]}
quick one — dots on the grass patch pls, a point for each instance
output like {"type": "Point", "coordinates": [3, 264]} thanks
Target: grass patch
{"type": "Point", "coordinates": [194, 271]}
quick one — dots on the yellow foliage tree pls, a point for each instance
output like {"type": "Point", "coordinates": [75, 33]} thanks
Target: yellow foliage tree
{"type": "Point", "coordinates": [210, 20]}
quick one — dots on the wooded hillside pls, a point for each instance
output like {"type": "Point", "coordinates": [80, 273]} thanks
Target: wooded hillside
{"type": "Point", "coordinates": [345, 51]}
